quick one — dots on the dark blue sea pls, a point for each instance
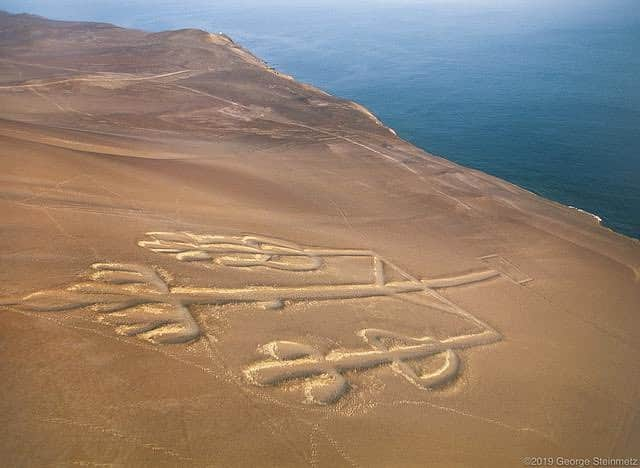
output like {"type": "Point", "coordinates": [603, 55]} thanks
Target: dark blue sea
{"type": "Point", "coordinates": [545, 94]}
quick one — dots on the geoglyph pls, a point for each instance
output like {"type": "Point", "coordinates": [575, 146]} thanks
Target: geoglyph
{"type": "Point", "coordinates": [139, 301]}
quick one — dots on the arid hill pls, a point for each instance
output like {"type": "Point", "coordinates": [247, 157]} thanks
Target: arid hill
{"type": "Point", "coordinates": [207, 263]}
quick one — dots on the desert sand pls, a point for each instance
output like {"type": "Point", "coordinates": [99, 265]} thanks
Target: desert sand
{"type": "Point", "coordinates": [207, 263]}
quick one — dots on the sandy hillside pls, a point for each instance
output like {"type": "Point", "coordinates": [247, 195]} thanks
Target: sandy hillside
{"type": "Point", "coordinates": [206, 263]}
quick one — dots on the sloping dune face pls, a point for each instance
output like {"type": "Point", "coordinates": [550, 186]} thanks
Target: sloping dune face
{"type": "Point", "coordinates": [206, 263]}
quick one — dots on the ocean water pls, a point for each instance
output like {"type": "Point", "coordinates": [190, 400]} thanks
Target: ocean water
{"type": "Point", "coordinates": [545, 94]}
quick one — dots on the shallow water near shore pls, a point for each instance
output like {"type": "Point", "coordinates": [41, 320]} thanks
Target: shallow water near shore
{"type": "Point", "coordinates": [540, 94]}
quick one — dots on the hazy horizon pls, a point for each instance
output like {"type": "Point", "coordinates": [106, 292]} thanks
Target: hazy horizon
{"type": "Point", "coordinates": [543, 94]}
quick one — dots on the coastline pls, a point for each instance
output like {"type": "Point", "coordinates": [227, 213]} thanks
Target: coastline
{"type": "Point", "coordinates": [597, 218]}
{"type": "Point", "coordinates": [362, 108]}
{"type": "Point", "coordinates": [248, 55]}
{"type": "Point", "coordinates": [207, 261]}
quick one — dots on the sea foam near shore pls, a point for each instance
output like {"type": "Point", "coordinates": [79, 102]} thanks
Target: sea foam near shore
{"type": "Point", "coordinates": [598, 218]}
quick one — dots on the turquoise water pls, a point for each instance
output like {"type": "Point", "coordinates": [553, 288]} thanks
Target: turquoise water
{"type": "Point", "coordinates": [544, 94]}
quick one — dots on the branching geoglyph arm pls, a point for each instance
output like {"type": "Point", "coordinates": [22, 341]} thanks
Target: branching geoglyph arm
{"type": "Point", "coordinates": [233, 251]}
{"type": "Point", "coordinates": [133, 298]}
